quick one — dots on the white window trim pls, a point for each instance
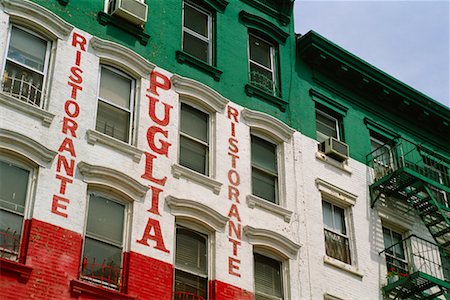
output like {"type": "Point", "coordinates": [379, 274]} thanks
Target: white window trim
{"type": "Point", "coordinates": [272, 69]}
{"type": "Point", "coordinates": [180, 171]}
{"type": "Point", "coordinates": [208, 39]}
{"type": "Point", "coordinates": [128, 212]}
{"type": "Point", "coordinates": [343, 166]}
{"type": "Point", "coordinates": [128, 187]}
{"type": "Point", "coordinates": [26, 146]}
{"type": "Point", "coordinates": [255, 201]}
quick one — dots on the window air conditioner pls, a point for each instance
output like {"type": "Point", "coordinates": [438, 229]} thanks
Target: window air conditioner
{"type": "Point", "coordinates": [134, 11]}
{"type": "Point", "coordinates": [335, 149]}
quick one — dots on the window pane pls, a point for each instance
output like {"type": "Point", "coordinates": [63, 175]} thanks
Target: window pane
{"type": "Point", "coordinates": [196, 47]}
{"type": "Point", "coordinates": [327, 213]}
{"type": "Point", "coordinates": [105, 219]}
{"type": "Point", "coordinates": [113, 121]}
{"type": "Point", "coordinates": [339, 220]}
{"type": "Point", "coordinates": [264, 185]}
{"type": "Point", "coordinates": [193, 155]}
{"type": "Point", "coordinates": [13, 187]}
{"type": "Point", "coordinates": [267, 276]}
{"type": "Point", "coordinates": [194, 122]}
{"type": "Point", "coordinates": [101, 261]}
{"type": "Point", "coordinates": [186, 283]}
{"type": "Point", "coordinates": [196, 20]}
{"type": "Point", "coordinates": [27, 49]}
{"type": "Point", "coordinates": [191, 251]}
{"type": "Point", "coordinates": [326, 125]}
{"type": "Point", "coordinates": [11, 229]}
{"type": "Point", "coordinates": [260, 51]}
{"type": "Point", "coordinates": [115, 88]}
{"type": "Point", "coordinates": [23, 83]}
{"type": "Point", "coordinates": [264, 154]}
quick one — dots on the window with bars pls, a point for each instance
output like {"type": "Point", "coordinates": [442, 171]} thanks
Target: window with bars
{"type": "Point", "coordinates": [194, 139]}
{"type": "Point", "coordinates": [327, 125]}
{"type": "Point", "coordinates": [26, 66]}
{"type": "Point", "coordinates": [439, 173]}
{"type": "Point", "coordinates": [395, 253]}
{"type": "Point", "coordinates": [191, 265]}
{"type": "Point", "coordinates": [262, 64]}
{"type": "Point", "coordinates": [268, 278]}
{"type": "Point", "coordinates": [103, 242]}
{"type": "Point", "coordinates": [14, 191]}
{"type": "Point", "coordinates": [115, 104]}
{"type": "Point", "coordinates": [381, 155]}
{"type": "Point", "coordinates": [197, 31]}
{"type": "Point", "coordinates": [337, 244]}
{"type": "Point", "coordinates": [264, 169]}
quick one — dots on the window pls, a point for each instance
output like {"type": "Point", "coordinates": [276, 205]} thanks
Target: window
{"type": "Point", "coordinates": [115, 104]}
{"type": "Point", "coordinates": [336, 235]}
{"type": "Point", "coordinates": [14, 191]}
{"type": "Point", "coordinates": [104, 242]}
{"type": "Point", "coordinates": [197, 31]}
{"type": "Point", "coordinates": [439, 173]}
{"type": "Point", "coordinates": [268, 278]}
{"type": "Point", "coordinates": [194, 139]}
{"type": "Point", "coordinates": [264, 169]}
{"type": "Point", "coordinates": [262, 71]}
{"type": "Point", "coordinates": [26, 66]}
{"type": "Point", "coordinates": [381, 155]}
{"type": "Point", "coordinates": [191, 265]}
{"type": "Point", "coordinates": [327, 125]}
{"type": "Point", "coordinates": [395, 253]}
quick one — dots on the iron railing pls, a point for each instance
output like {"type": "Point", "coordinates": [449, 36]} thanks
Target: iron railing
{"type": "Point", "coordinates": [9, 244]}
{"type": "Point", "coordinates": [421, 256]}
{"type": "Point", "coordinates": [106, 274]}
{"type": "Point", "coordinates": [22, 89]}
{"type": "Point", "coordinates": [180, 295]}
{"type": "Point", "coordinates": [264, 83]}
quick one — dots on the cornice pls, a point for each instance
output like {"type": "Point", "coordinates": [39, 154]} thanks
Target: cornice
{"type": "Point", "coordinates": [267, 124]}
{"type": "Point", "coordinates": [261, 24]}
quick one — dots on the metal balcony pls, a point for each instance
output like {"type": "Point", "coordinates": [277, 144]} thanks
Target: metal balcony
{"type": "Point", "coordinates": [408, 172]}
{"type": "Point", "coordinates": [423, 271]}
{"type": "Point", "coordinates": [265, 83]}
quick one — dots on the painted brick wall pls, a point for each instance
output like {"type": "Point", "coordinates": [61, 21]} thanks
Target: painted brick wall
{"type": "Point", "coordinates": [222, 291]}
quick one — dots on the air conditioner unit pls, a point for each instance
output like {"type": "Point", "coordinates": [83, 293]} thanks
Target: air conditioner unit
{"type": "Point", "coordinates": [335, 149]}
{"type": "Point", "coordinates": [134, 11]}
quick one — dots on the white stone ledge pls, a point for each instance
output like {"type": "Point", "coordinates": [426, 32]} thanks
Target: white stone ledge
{"type": "Point", "coordinates": [332, 162]}
{"type": "Point", "coordinates": [254, 201]}
{"type": "Point", "coordinates": [95, 137]}
{"type": "Point", "coordinates": [31, 110]}
{"type": "Point", "coordinates": [180, 171]}
{"type": "Point", "coordinates": [343, 266]}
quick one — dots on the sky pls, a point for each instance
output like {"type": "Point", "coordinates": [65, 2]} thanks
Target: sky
{"type": "Point", "coordinates": [409, 40]}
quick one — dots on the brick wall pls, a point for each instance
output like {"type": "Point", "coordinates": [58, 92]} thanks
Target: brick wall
{"type": "Point", "coordinates": [224, 291]}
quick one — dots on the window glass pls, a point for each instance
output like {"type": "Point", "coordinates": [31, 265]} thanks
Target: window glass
{"type": "Point", "coordinates": [193, 155]}
{"type": "Point", "coordinates": [27, 49]}
{"type": "Point", "coordinates": [113, 121]}
{"type": "Point", "coordinates": [115, 88]}
{"type": "Point", "coordinates": [264, 154]}
{"type": "Point", "coordinates": [264, 169]}
{"type": "Point", "coordinates": [267, 277]}
{"type": "Point", "coordinates": [264, 185]}
{"type": "Point", "coordinates": [196, 47]}
{"type": "Point", "coordinates": [13, 191]}
{"type": "Point", "coordinates": [337, 243]}
{"type": "Point", "coordinates": [260, 51]}
{"type": "Point", "coordinates": [326, 126]}
{"type": "Point", "coordinates": [196, 20]}
{"type": "Point", "coordinates": [194, 122]}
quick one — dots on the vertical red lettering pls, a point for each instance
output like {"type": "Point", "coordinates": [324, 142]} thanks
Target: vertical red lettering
{"type": "Point", "coordinates": [57, 206]}
{"type": "Point", "coordinates": [148, 174]}
{"type": "Point", "coordinates": [163, 149]}
{"type": "Point", "coordinates": [155, 200]}
{"type": "Point", "coordinates": [67, 145]}
{"type": "Point", "coordinates": [158, 80]}
{"type": "Point", "coordinates": [233, 266]}
{"type": "Point", "coordinates": [232, 112]}
{"type": "Point", "coordinates": [79, 40]}
{"type": "Point", "coordinates": [153, 225]}
{"type": "Point", "coordinates": [69, 125]}
{"type": "Point", "coordinates": [68, 167]}
{"type": "Point", "coordinates": [152, 111]}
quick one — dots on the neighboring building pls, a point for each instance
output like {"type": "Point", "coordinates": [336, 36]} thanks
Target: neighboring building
{"type": "Point", "coordinates": [200, 149]}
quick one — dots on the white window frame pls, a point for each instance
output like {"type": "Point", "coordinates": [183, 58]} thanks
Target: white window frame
{"type": "Point", "coordinates": [279, 157]}
{"type": "Point", "coordinates": [189, 224]}
{"type": "Point", "coordinates": [405, 250]}
{"type": "Point", "coordinates": [33, 171]}
{"type": "Point", "coordinates": [208, 144]}
{"type": "Point", "coordinates": [125, 234]}
{"type": "Point", "coordinates": [208, 39]}
{"type": "Point", "coordinates": [328, 116]}
{"type": "Point", "coordinates": [44, 73]}
{"type": "Point", "coordinates": [131, 124]}
{"type": "Point", "coordinates": [108, 2]}
{"type": "Point", "coordinates": [272, 54]}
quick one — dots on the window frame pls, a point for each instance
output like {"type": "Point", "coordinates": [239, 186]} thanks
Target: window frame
{"type": "Point", "coordinates": [429, 167]}
{"type": "Point", "coordinates": [31, 185]}
{"type": "Point", "coordinates": [132, 98]}
{"type": "Point", "coordinates": [47, 63]}
{"type": "Point", "coordinates": [283, 274]}
{"type": "Point", "coordinates": [208, 235]}
{"type": "Point", "coordinates": [209, 40]}
{"type": "Point", "coordinates": [330, 116]}
{"type": "Point", "coordinates": [111, 196]}
{"type": "Point", "coordinates": [273, 62]}
{"type": "Point", "coordinates": [402, 234]}
{"type": "Point", "coordinates": [209, 144]}
{"type": "Point", "coordinates": [278, 157]}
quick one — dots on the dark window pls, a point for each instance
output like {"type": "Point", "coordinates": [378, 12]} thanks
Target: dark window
{"type": "Point", "coordinates": [264, 169]}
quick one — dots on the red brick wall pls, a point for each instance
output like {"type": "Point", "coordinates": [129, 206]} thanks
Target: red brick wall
{"type": "Point", "coordinates": [149, 278]}
{"type": "Point", "coordinates": [224, 291]}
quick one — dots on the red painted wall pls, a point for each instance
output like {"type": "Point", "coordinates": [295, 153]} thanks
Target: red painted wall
{"type": "Point", "coordinates": [224, 291]}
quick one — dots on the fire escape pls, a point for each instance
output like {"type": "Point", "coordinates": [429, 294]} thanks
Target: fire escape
{"type": "Point", "coordinates": [404, 171]}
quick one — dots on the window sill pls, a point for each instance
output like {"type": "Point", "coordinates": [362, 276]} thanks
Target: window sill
{"type": "Point", "coordinates": [254, 201]}
{"type": "Point", "coordinates": [340, 165]}
{"type": "Point", "coordinates": [94, 137]}
{"type": "Point", "coordinates": [78, 287]}
{"type": "Point", "coordinates": [34, 111]}
{"type": "Point", "coordinates": [105, 19]}
{"type": "Point", "coordinates": [180, 171]}
{"type": "Point", "coordinates": [184, 58]}
{"type": "Point", "coordinates": [22, 271]}
{"type": "Point", "coordinates": [253, 91]}
{"type": "Point", "coordinates": [342, 265]}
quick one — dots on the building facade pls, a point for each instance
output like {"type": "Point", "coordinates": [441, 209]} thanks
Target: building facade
{"type": "Point", "coordinates": [229, 159]}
